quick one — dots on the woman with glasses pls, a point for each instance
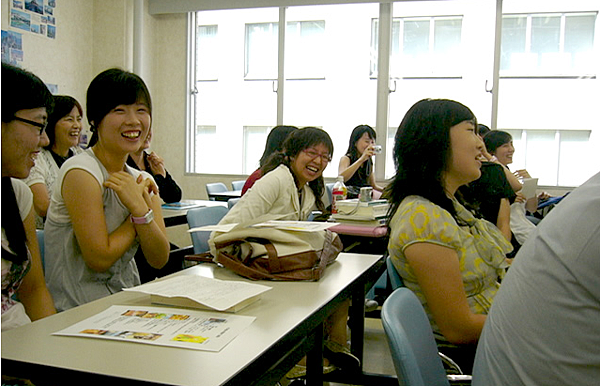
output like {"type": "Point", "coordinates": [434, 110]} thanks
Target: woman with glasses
{"type": "Point", "coordinates": [292, 184]}
{"type": "Point", "coordinates": [64, 131]}
{"type": "Point", "coordinates": [356, 166]}
{"type": "Point", "coordinates": [104, 209]}
{"type": "Point", "coordinates": [26, 102]}
{"type": "Point", "coordinates": [291, 188]}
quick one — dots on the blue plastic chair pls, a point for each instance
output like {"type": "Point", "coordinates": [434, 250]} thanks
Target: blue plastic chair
{"type": "Point", "coordinates": [40, 237]}
{"type": "Point", "coordinates": [215, 187]}
{"type": "Point", "coordinates": [393, 276]}
{"type": "Point", "coordinates": [329, 188]}
{"type": "Point", "coordinates": [411, 341]}
{"type": "Point", "coordinates": [238, 185]}
{"type": "Point", "coordinates": [197, 217]}
{"type": "Point", "coordinates": [232, 201]}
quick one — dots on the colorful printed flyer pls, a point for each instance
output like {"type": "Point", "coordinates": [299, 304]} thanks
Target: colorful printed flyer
{"type": "Point", "coordinates": [174, 327]}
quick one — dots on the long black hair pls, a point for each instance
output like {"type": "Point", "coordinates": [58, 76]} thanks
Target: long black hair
{"type": "Point", "coordinates": [111, 88]}
{"type": "Point", "coordinates": [275, 141]}
{"type": "Point", "coordinates": [422, 152]}
{"type": "Point", "coordinates": [297, 141]}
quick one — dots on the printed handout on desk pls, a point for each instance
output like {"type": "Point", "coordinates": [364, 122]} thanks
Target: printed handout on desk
{"type": "Point", "coordinates": [202, 292]}
{"type": "Point", "coordinates": [183, 328]}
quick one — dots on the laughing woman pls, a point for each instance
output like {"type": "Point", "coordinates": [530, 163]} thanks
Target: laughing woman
{"type": "Point", "coordinates": [291, 187]}
{"type": "Point", "coordinates": [102, 209]}
{"type": "Point", "coordinates": [64, 130]}
{"type": "Point", "coordinates": [449, 258]}
{"type": "Point", "coordinates": [24, 110]}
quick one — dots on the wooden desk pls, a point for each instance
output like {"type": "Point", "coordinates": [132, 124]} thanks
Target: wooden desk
{"type": "Point", "coordinates": [289, 324]}
{"type": "Point", "coordinates": [175, 216]}
{"type": "Point", "coordinates": [224, 196]}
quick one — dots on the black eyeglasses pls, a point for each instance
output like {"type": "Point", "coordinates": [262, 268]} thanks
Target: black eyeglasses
{"type": "Point", "coordinates": [42, 126]}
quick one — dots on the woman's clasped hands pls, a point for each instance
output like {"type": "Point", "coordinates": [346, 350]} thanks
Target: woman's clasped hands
{"type": "Point", "coordinates": [133, 193]}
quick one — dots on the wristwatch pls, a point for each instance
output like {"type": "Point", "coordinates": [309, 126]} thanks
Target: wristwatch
{"type": "Point", "coordinates": [146, 219]}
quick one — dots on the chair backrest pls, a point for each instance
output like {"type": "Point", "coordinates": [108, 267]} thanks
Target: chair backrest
{"type": "Point", "coordinates": [232, 201]}
{"type": "Point", "coordinates": [329, 188]}
{"type": "Point", "coordinates": [215, 187]}
{"type": "Point", "coordinates": [206, 215]}
{"type": "Point", "coordinates": [40, 237]}
{"type": "Point", "coordinates": [393, 276]}
{"type": "Point", "coordinates": [238, 185]}
{"type": "Point", "coordinates": [411, 341]}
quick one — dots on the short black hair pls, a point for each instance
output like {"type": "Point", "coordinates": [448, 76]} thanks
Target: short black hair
{"type": "Point", "coordinates": [22, 90]}
{"type": "Point", "coordinates": [109, 89]}
{"type": "Point", "coordinates": [63, 104]}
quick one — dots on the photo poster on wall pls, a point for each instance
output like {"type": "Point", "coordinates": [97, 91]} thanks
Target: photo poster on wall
{"type": "Point", "coordinates": [12, 48]}
{"type": "Point", "coordinates": [34, 16]}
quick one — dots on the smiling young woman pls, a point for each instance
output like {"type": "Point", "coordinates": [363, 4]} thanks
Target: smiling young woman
{"type": "Point", "coordinates": [25, 103]}
{"type": "Point", "coordinates": [291, 188]}
{"type": "Point", "coordinates": [105, 209]}
{"type": "Point", "coordinates": [449, 258]}
{"type": "Point", "coordinates": [63, 130]}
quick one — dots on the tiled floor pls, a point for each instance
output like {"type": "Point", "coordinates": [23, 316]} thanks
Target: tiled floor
{"type": "Point", "coordinates": [377, 357]}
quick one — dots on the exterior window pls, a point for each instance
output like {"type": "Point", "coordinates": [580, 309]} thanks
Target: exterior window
{"type": "Point", "coordinates": [207, 47]}
{"type": "Point", "coordinates": [261, 51]}
{"type": "Point", "coordinates": [204, 154]}
{"type": "Point", "coordinates": [558, 157]}
{"type": "Point", "coordinates": [305, 45]}
{"type": "Point", "coordinates": [548, 44]}
{"type": "Point", "coordinates": [422, 47]}
{"type": "Point", "coordinates": [255, 138]}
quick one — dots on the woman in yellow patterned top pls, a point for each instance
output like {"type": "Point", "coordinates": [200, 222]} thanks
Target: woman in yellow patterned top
{"type": "Point", "coordinates": [449, 258]}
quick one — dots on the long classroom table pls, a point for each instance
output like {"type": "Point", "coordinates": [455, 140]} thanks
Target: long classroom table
{"type": "Point", "coordinates": [288, 325]}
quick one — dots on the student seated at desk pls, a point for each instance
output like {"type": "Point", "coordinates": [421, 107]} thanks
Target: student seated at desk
{"type": "Point", "coordinates": [64, 130]}
{"type": "Point", "coordinates": [25, 103]}
{"type": "Point", "coordinates": [449, 258]}
{"type": "Point", "coordinates": [104, 208]}
{"type": "Point", "coordinates": [356, 166]}
{"type": "Point", "coordinates": [291, 187]}
{"type": "Point", "coordinates": [274, 144]}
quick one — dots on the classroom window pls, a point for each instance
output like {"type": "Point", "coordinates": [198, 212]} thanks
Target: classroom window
{"type": "Point", "coordinates": [439, 49]}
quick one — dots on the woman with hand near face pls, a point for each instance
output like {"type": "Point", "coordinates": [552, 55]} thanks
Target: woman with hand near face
{"type": "Point", "coordinates": [64, 131]}
{"type": "Point", "coordinates": [449, 258]}
{"type": "Point", "coordinates": [26, 102]}
{"type": "Point", "coordinates": [104, 209]}
{"type": "Point", "coordinates": [356, 166]}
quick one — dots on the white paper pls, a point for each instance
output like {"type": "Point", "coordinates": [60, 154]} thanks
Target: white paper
{"type": "Point", "coordinates": [300, 226]}
{"type": "Point", "coordinates": [184, 328]}
{"type": "Point", "coordinates": [214, 293]}
{"type": "Point", "coordinates": [529, 187]}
